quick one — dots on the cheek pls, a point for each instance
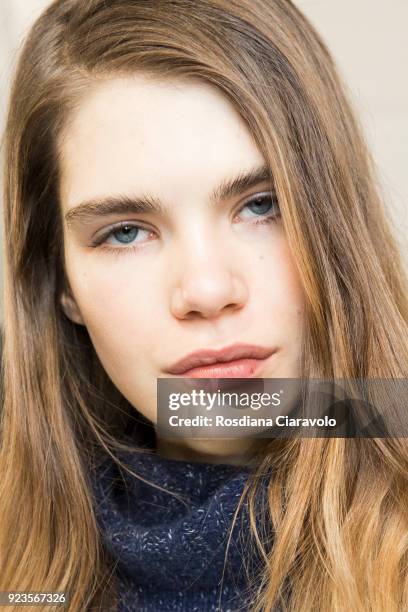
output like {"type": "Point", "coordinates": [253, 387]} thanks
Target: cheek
{"type": "Point", "coordinates": [116, 305]}
{"type": "Point", "coordinates": [278, 282]}
{"type": "Point", "coordinates": [283, 305]}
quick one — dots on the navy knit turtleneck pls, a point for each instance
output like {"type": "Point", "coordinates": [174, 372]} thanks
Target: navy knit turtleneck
{"type": "Point", "coordinates": [170, 555]}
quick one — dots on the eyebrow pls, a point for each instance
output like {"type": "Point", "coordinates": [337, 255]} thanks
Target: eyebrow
{"type": "Point", "coordinates": [110, 205]}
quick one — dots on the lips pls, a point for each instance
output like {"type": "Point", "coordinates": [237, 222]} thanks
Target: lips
{"type": "Point", "coordinates": [238, 360]}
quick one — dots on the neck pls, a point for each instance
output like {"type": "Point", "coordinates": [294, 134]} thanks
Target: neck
{"type": "Point", "coordinates": [234, 451]}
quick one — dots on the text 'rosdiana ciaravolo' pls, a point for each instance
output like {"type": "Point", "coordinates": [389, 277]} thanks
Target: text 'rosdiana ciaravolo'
{"type": "Point", "coordinates": [203, 400]}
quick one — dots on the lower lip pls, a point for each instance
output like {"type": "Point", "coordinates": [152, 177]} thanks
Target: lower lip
{"type": "Point", "coordinates": [240, 368]}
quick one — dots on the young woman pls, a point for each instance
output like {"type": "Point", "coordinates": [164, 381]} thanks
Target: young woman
{"type": "Point", "coordinates": [187, 176]}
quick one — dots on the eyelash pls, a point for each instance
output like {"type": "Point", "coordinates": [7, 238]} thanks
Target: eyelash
{"type": "Point", "coordinates": [101, 241]}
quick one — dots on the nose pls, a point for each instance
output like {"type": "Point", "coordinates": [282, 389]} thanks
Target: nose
{"type": "Point", "coordinates": [210, 283]}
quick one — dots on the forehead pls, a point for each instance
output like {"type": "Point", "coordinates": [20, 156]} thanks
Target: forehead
{"type": "Point", "coordinates": [170, 137]}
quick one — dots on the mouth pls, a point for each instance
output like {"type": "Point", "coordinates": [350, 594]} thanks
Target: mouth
{"type": "Point", "coordinates": [237, 368]}
{"type": "Point", "coordinates": [236, 361]}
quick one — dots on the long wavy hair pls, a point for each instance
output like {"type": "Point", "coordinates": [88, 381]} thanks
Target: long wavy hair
{"type": "Point", "coordinates": [338, 507]}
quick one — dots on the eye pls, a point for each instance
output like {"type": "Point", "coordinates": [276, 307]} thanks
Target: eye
{"type": "Point", "coordinates": [126, 233]}
{"type": "Point", "coordinates": [263, 206]}
{"type": "Point", "coordinates": [123, 234]}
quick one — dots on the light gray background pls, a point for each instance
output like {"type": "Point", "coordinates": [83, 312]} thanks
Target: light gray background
{"type": "Point", "coordinates": [368, 38]}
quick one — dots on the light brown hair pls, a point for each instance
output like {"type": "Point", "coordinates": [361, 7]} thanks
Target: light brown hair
{"type": "Point", "coordinates": [338, 507]}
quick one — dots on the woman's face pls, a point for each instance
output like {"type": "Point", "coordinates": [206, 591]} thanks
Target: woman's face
{"type": "Point", "coordinates": [193, 268]}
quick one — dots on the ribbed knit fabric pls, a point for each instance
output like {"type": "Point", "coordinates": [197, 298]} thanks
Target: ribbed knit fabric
{"type": "Point", "coordinates": [170, 555]}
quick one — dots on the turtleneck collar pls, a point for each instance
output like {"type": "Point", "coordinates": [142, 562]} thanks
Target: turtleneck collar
{"type": "Point", "coordinates": [170, 552]}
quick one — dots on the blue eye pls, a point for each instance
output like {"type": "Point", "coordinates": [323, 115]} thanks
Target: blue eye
{"type": "Point", "coordinates": [125, 234]}
{"type": "Point", "coordinates": [260, 205]}
{"type": "Point", "coordinates": [263, 205]}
